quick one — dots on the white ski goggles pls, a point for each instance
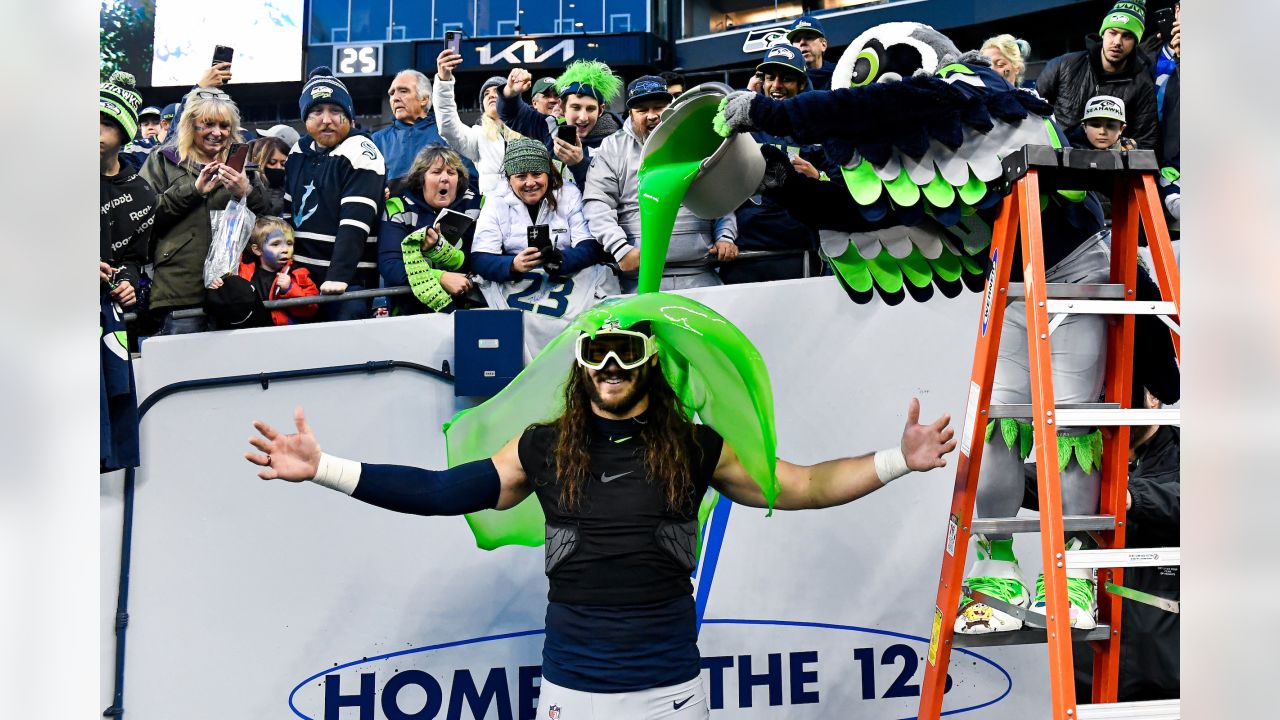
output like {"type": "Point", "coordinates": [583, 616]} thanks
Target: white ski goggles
{"type": "Point", "coordinates": [629, 348]}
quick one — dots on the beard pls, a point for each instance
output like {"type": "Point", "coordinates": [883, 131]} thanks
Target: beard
{"type": "Point", "coordinates": [624, 404]}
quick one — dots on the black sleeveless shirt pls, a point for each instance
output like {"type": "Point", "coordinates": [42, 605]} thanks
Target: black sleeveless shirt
{"type": "Point", "coordinates": [621, 545]}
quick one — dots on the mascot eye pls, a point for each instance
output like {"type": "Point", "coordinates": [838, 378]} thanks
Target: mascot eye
{"type": "Point", "coordinates": [865, 68]}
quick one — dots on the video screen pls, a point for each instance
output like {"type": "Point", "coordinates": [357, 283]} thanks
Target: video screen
{"type": "Point", "coordinates": [266, 37]}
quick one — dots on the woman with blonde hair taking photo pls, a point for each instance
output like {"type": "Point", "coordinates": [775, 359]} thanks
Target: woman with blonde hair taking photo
{"type": "Point", "coordinates": [192, 179]}
{"type": "Point", "coordinates": [483, 143]}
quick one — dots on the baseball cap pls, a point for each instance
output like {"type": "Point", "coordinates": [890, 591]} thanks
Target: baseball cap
{"type": "Point", "coordinates": [647, 87]}
{"type": "Point", "coordinates": [283, 132]}
{"type": "Point", "coordinates": [543, 85]}
{"type": "Point", "coordinates": [784, 56]}
{"type": "Point", "coordinates": [805, 24]}
{"type": "Point", "coordinates": [1108, 107]}
{"type": "Point", "coordinates": [169, 111]}
{"type": "Point", "coordinates": [149, 110]}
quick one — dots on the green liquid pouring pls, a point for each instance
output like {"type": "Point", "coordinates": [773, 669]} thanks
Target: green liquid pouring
{"type": "Point", "coordinates": [665, 176]}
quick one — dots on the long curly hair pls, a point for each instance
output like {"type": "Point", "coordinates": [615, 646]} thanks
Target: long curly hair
{"type": "Point", "coordinates": [670, 443]}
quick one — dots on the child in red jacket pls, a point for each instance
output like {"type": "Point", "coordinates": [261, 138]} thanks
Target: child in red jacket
{"type": "Point", "coordinates": [268, 268]}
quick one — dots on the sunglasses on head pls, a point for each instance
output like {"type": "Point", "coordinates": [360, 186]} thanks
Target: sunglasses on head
{"type": "Point", "coordinates": [629, 348]}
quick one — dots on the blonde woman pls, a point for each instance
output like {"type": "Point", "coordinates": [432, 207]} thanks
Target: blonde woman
{"type": "Point", "coordinates": [1008, 56]}
{"type": "Point", "coordinates": [483, 143]}
{"type": "Point", "coordinates": [191, 179]}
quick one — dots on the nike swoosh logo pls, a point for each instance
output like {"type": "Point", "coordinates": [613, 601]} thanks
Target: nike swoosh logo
{"type": "Point", "coordinates": [621, 440]}
{"type": "Point", "coordinates": [677, 705]}
{"type": "Point", "coordinates": [604, 477]}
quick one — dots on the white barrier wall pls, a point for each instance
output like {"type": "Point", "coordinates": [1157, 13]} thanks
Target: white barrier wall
{"type": "Point", "coordinates": [255, 599]}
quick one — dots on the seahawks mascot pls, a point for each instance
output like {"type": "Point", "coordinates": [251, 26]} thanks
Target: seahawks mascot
{"type": "Point", "coordinates": [919, 130]}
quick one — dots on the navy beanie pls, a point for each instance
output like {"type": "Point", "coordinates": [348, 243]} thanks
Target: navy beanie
{"type": "Point", "coordinates": [323, 87]}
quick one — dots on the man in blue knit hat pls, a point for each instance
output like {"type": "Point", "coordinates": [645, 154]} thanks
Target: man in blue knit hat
{"type": "Point", "coordinates": [806, 33]}
{"type": "Point", "coordinates": [334, 180]}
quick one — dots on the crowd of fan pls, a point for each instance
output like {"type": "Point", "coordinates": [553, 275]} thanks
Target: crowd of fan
{"type": "Point", "coordinates": [533, 207]}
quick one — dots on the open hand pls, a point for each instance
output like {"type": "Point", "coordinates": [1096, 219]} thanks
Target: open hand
{"type": "Point", "coordinates": [286, 457]}
{"type": "Point", "coordinates": [924, 446]}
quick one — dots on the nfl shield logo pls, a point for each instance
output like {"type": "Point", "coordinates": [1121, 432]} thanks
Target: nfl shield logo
{"type": "Point", "coordinates": [554, 712]}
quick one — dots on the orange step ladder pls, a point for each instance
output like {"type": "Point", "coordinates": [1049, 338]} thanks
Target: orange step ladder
{"type": "Point", "coordinates": [1129, 178]}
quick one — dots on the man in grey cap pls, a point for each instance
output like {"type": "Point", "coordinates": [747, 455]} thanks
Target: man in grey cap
{"type": "Point", "coordinates": [611, 202]}
{"type": "Point", "coordinates": [281, 132]}
{"type": "Point", "coordinates": [806, 34]}
{"type": "Point", "coordinates": [546, 99]}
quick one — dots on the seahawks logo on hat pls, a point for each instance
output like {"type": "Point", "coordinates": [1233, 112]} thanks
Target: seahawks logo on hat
{"type": "Point", "coordinates": [109, 106]}
{"type": "Point", "coordinates": [780, 50]}
{"type": "Point", "coordinates": [1119, 18]}
{"type": "Point", "coordinates": [803, 24]}
{"type": "Point", "coordinates": [1105, 105]}
{"type": "Point", "coordinates": [320, 91]}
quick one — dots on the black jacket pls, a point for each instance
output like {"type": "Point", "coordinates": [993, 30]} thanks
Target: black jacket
{"type": "Point", "coordinates": [1068, 81]}
{"type": "Point", "coordinates": [1148, 635]}
{"type": "Point", "coordinates": [125, 221]}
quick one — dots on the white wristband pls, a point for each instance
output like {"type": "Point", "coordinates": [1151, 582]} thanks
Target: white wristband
{"type": "Point", "coordinates": [337, 473]}
{"type": "Point", "coordinates": [891, 464]}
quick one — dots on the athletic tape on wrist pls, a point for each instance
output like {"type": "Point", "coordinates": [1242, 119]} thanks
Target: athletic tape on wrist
{"type": "Point", "coordinates": [891, 464]}
{"type": "Point", "coordinates": [337, 473]}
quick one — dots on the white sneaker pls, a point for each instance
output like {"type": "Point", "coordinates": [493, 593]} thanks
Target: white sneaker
{"type": "Point", "coordinates": [1082, 599]}
{"type": "Point", "coordinates": [1001, 580]}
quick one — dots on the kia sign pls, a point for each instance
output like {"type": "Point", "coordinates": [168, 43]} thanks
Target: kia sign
{"type": "Point", "coordinates": [526, 52]}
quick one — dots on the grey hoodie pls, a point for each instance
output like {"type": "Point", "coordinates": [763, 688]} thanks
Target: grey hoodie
{"type": "Point", "coordinates": [611, 202]}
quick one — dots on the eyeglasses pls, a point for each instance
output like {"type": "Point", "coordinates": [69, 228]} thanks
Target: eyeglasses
{"type": "Point", "coordinates": [211, 94]}
{"type": "Point", "coordinates": [629, 348]}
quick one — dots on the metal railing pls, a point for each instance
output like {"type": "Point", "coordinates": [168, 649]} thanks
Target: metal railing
{"type": "Point", "coordinates": [371, 293]}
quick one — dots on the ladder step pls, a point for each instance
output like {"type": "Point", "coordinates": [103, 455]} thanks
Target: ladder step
{"type": "Point", "coordinates": [1148, 710]}
{"type": "Point", "coordinates": [1026, 636]}
{"type": "Point", "coordinates": [1124, 557]}
{"type": "Point", "coordinates": [1073, 291]}
{"type": "Point", "coordinates": [1093, 415]}
{"type": "Point", "coordinates": [1024, 411]}
{"type": "Point", "coordinates": [1032, 524]}
{"type": "Point", "coordinates": [1111, 307]}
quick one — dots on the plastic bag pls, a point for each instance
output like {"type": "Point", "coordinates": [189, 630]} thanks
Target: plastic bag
{"type": "Point", "coordinates": [231, 229]}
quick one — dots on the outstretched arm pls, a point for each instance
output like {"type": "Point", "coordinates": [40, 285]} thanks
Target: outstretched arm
{"type": "Point", "coordinates": [498, 482]}
{"type": "Point", "coordinates": [837, 482]}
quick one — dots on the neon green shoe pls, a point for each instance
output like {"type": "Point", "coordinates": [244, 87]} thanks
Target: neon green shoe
{"type": "Point", "coordinates": [1001, 580]}
{"type": "Point", "coordinates": [1082, 598]}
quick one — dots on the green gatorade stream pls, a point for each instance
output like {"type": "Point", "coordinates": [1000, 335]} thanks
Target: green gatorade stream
{"type": "Point", "coordinates": [665, 175]}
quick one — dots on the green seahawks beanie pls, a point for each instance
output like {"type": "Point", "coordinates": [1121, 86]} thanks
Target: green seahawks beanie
{"type": "Point", "coordinates": [525, 155]}
{"type": "Point", "coordinates": [118, 100]}
{"type": "Point", "coordinates": [1127, 15]}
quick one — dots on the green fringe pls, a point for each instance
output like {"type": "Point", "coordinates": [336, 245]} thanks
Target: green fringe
{"type": "Point", "coordinates": [593, 73]}
{"type": "Point", "coordinates": [424, 280]}
{"type": "Point", "coordinates": [1087, 448]}
{"type": "Point", "coordinates": [718, 123]}
{"type": "Point", "coordinates": [1019, 435]}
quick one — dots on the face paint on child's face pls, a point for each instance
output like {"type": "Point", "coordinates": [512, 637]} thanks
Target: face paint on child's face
{"type": "Point", "coordinates": [276, 250]}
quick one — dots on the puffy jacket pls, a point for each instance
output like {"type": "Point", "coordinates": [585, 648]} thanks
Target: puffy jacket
{"type": "Point", "coordinates": [1068, 81]}
{"type": "Point", "coordinates": [502, 232]}
{"type": "Point", "coordinates": [611, 202]}
{"type": "Point", "coordinates": [481, 145]}
{"type": "Point", "coordinates": [301, 285]}
{"type": "Point", "coordinates": [183, 231]}
{"type": "Point", "coordinates": [404, 214]}
{"type": "Point", "coordinates": [518, 116]}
